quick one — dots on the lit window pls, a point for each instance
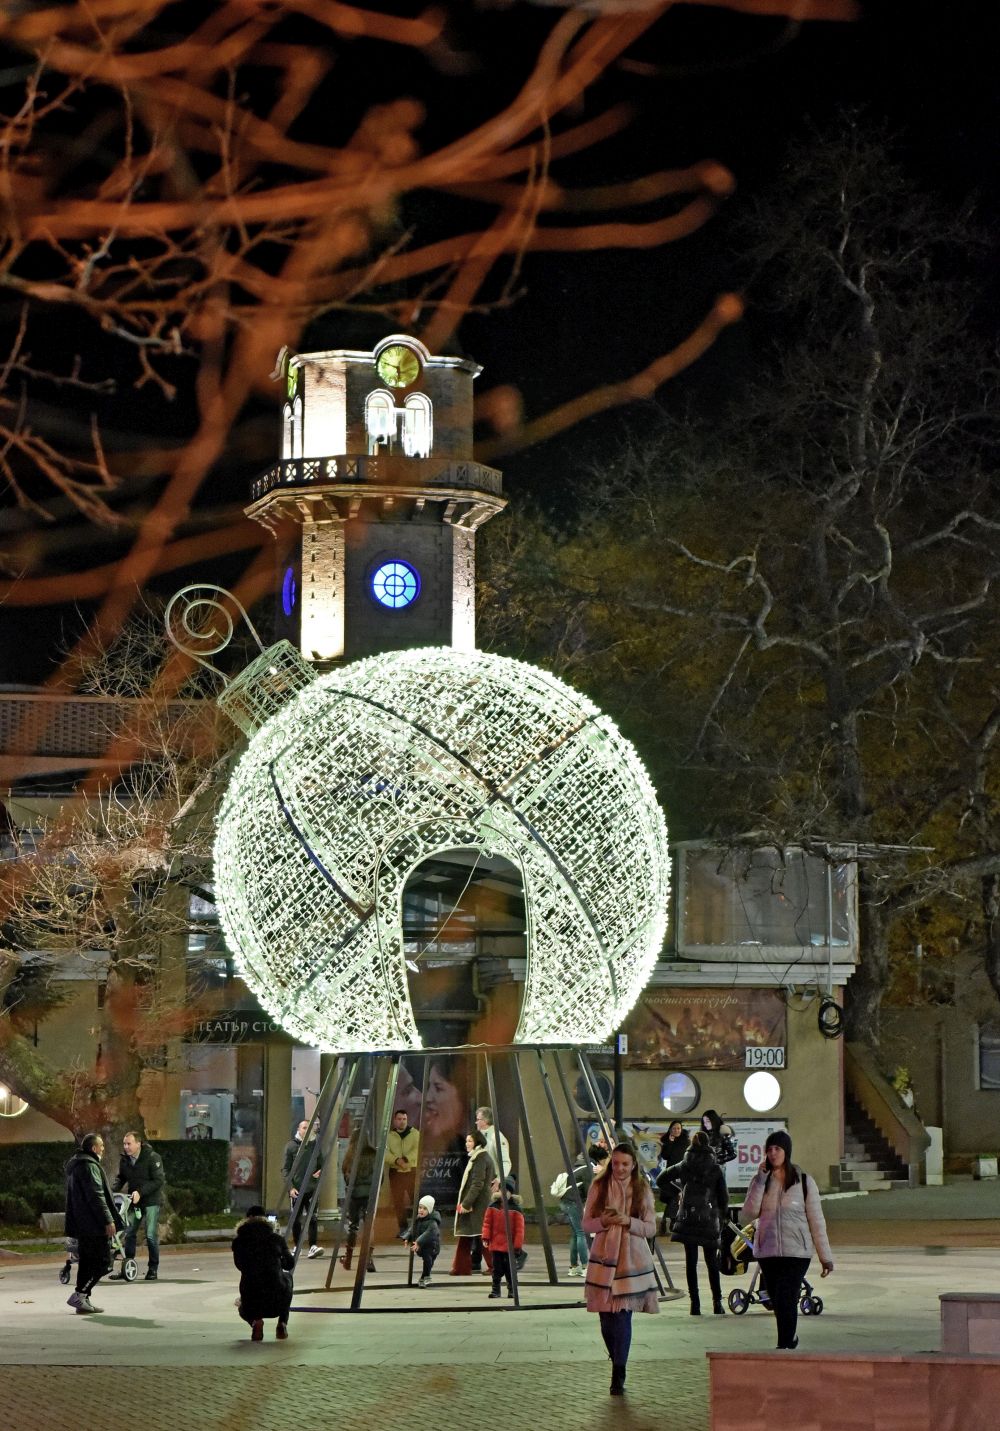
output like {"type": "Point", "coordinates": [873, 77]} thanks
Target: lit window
{"type": "Point", "coordinates": [395, 584]}
{"type": "Point", "coordinates": [380, 420]}
{"type": "Point", "coordinates": [417, 425]}
{"type": "Point", "coordinates": [295, 430]}
{"type": "Point", "coordinates": [761, 1092]}
{"type": "Point", "coordinates": [679, 1093]}
{"type": "Point", "coordinates": [10, 1104]}
{"type": "Point", "coordinates": [289, 591]}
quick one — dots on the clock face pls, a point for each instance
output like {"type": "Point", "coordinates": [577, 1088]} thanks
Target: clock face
{"type": "Point", "coordinates": [398, 366]}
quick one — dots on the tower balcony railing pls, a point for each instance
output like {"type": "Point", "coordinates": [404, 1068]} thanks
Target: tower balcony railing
{"type": "Point", "coordinates": [379, 469]}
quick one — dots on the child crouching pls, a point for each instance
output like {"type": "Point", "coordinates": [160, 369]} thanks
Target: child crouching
{"type": "Point", "coordinates": [495, 1235]}
{"type": "Point", "coordinates": [265, 1265]}
{"type": "Point", "coordinates": [424, 1237]}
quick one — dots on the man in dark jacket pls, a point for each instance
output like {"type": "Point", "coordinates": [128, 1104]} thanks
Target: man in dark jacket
{"type": "Point", "coordinates": [140, 1173]}
{"type": "Point", "coordinates": [298, 1151]}
{"type": "Point", "coordinates": [91, 1218]}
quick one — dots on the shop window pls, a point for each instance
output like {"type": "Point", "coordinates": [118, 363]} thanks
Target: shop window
{"type": "Point", "coordinates": [744, 898]}
{"type": "Point", "coordinates": [989, 1057]}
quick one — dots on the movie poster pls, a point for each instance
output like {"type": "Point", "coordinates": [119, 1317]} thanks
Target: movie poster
{"type": "Point", "coordinates": [703, 1028]}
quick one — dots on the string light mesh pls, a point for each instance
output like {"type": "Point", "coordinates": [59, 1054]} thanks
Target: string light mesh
{"type": "Point", "coordinates": [372, 769]}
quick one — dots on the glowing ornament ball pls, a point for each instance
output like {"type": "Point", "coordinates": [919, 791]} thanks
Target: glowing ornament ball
{"type": "Point", "coordinates": [370, 770]}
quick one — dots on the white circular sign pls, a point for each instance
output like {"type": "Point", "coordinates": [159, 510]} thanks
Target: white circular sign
{"type": "Point", "coordinates": [761, 1092]}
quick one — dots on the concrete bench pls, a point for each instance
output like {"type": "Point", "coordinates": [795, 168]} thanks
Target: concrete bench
{"type": "Point", "coordinates": [853, 1391]}
{"type": "Point", "coordinates": [970, 1323]}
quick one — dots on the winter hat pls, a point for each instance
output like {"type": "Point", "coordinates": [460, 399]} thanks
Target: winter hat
{"type": "Point", "coordinates": [779, 1139]}
{"type": "Point", "coordinates": [427, 1202]}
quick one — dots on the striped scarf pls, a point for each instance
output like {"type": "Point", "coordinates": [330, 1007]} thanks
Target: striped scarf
{"type": "Point", "coordinates": [621, 1264]}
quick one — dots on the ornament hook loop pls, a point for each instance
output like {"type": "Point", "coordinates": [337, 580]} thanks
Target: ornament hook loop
{"type": "Point", "coordinates": [199, 620]}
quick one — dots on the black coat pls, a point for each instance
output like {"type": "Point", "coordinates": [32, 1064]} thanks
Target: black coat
{"type": "Point", "coordinates": [426, 1232]}
{"type": "Point", "coordinates": [704, 1199]}
{"type": "Point", "coordinates": [265, 1265]}
{"type": "Point", "coordinates": [89, 1204]}
{"type": "Point", "coordinates": [145, 1176]}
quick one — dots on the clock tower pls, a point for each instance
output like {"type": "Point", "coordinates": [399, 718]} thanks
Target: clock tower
{"type": "Point", "coordinates": [377, 471]}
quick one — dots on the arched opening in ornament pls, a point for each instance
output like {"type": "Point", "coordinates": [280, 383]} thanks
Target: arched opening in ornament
{"type": "Point", "coordinates": [465, 947]}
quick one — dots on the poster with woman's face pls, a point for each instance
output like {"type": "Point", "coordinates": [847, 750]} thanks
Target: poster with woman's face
{"type": "Point", "coordinates": [435, 1092]}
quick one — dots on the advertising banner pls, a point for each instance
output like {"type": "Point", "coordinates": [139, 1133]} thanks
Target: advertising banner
{"type": "Point", "coordinates": [749, 1134]}
{"type": "Point", "coordinates": [703, 1028]}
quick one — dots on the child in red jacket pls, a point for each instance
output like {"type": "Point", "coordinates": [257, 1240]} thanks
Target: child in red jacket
{"type": "Point", "coordinates": [495, 1235]}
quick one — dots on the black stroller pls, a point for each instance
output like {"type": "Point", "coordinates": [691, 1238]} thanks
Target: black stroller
{"type": "Point", "coordinates": [737, 1254]}
{"type": "Point", "coordinates": [130, 1215]}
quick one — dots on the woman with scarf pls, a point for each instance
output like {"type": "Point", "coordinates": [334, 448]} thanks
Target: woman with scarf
{"type": "Point", "coordinates": [473, 1200]}
{"type": "Point", "coordinates": [620, 1277]}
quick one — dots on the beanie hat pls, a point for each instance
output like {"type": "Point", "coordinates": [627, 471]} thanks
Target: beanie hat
{"type": "Point", "coordinates": [780, 1139]}
{"type": "Point", "coordinates": [428, 1202]}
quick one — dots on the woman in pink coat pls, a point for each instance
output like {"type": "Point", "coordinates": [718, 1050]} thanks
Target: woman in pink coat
{"type": "Point", "coordinates": [620, 1277]}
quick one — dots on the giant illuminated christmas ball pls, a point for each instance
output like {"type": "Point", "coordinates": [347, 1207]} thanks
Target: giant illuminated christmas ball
{"type": "Point", "coordinates": [369, 771]}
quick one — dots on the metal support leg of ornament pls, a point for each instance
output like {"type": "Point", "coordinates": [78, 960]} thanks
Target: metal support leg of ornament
{"type": "Point", "coordinates": [328, 1098]}
{"type": "Point", "coordinates": [536, 1184]}
{"type": "Point", "coordinates": [563, 1145]}
{"type": "Point", "coordinates": [502, 1176]}
{"type": "Point", "coordinates": [419, 1179]}
{"type": "Point", "coordinates": [371, 1211]}
{"type": "Point", "coordinates": [606, 1126]}
{"type": "Point", "coordinates": [353, 1063]}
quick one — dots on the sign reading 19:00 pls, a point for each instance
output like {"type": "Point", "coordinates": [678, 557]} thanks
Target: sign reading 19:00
{"type": "Point", "coordinates": [758, 1057]}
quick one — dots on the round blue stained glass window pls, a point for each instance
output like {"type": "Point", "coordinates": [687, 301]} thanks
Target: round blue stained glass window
{"type": "Point", "coordinates": [395, 584]}
{"type": "Point", "coordinates": [289, 591]}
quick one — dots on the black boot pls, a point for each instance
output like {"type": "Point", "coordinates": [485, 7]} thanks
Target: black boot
{"type": "Point", "coordinates": [718, 1308]}
{"type": "Point", "coordinates": [695, 1307]}
{"type": "Point", "coordinates": [617, 1380]}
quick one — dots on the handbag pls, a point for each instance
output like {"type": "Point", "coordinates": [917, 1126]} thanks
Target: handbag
{"type": "Point", "coordinates": [560, 1185]}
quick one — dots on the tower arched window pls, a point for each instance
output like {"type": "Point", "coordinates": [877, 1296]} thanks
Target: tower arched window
{"type": "Point", "coordinates": [295, 435]}
{"type": "Point", "coordinates": [286, 430]}
{"type": "Point", "coordinates": [380, 420]}
{"type": "Point", "coordinates": [418, 417]}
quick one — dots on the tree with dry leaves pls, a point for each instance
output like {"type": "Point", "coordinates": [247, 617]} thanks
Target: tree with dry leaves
{"type": "Point", "coordinates": [99, 890]}
{"type": "Point", "coordinates": [794, 607]}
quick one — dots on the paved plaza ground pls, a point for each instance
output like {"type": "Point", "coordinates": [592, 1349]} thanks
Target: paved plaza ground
{"type": "Point", "coordinates": [173, 1355]}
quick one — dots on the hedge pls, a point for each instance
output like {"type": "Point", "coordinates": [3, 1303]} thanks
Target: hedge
{"type": "Point", "coordinates": [38, 1170]}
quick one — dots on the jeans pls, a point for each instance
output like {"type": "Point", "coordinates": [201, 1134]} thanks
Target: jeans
{"type": "Point", "coordinates": [303, 1206]}
{"type": "Point", "coordinates": [691, 1270]}
{"type": "Point", "coordinates": [428, 1256]}
{"type": "Point", "coordinates": [784, 1282]}
{"type": "Point", "coordinates": [401, 1190]}
{"type": "Point", "coordinates": [579, 1249]}
{"type": "Point", "coordinates": [616, 1329]}
{"type": "Point", "coordinates": [95, 1260]}
{"type": "Point", "coordinates": [150, 1220]}
{"type": "Point", "coordinates": [501, 1268]}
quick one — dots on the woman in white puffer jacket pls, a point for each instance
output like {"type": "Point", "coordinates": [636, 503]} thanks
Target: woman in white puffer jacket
{"type": "Point", "coordinates": [790, 1225]}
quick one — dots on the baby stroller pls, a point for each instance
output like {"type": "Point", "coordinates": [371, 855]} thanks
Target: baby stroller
{"type": "Point", "coordinates": [130, 1214]}
{"type": "Point", "coordinates": [737, 1254]}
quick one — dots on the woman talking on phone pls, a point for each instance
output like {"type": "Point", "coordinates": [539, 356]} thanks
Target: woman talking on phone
{"type": "Point", "coordinates": [790, 1226]}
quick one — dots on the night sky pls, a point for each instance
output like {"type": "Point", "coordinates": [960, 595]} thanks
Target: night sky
{"type": "Point", "coordinates": [706, 83]}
